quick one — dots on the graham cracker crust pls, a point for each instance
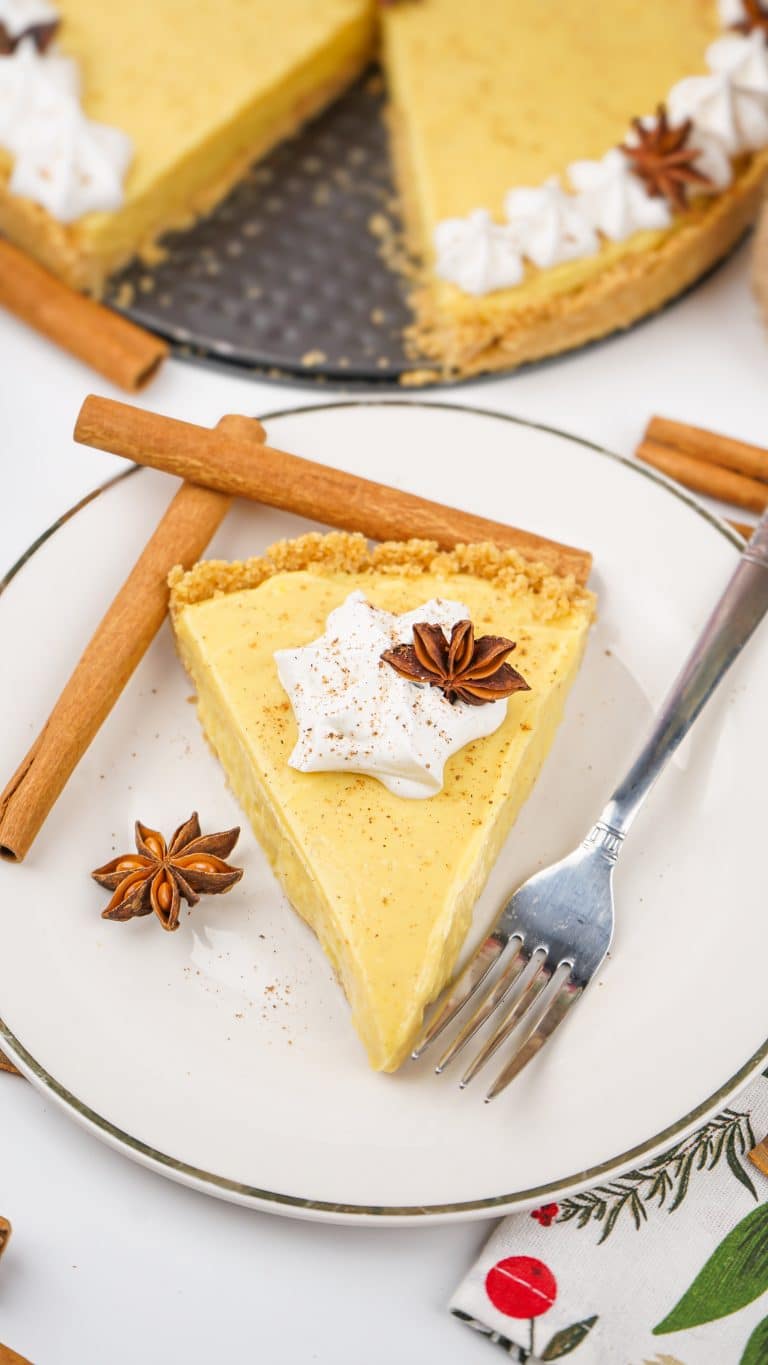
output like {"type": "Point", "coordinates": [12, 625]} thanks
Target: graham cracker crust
{"type": "Point", "coordinates": [477, 336]}
{"type": "Point", "coordinates": [341, 552]}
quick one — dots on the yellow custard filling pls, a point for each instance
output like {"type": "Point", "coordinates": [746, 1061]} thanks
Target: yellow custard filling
{"type": "Point", "coordinates": [202, 90]}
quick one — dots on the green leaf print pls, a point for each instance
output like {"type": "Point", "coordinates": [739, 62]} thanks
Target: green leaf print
{"type": "Point", "coordinates": [664, 1181]}
{"type": "Point", "coordinates": [568, 1339]}
{"type": "Point", "coordinates": [735, 1274]}
{"type": "Point", "coordinates": [732, 1157]}
{"type": "Point", "coordinates": [756, 1349]}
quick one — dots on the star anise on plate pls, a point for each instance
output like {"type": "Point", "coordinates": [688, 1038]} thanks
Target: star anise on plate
{"type": "Point", "coordinates": [465, 669]}
{"type": "Point", "coordinates": [754, 16]}
{"type": "Point", "coordinates": [5, 1233]}
{"type": "Point", "coordinates": [42, 36]}
{"type": "Point", "coordinates": [159, 876]}
{"type": "Point", "coordinates": [663, 158]}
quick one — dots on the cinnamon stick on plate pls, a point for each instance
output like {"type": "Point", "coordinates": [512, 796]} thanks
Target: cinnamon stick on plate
{"type": "Point", "coordinates": [221, 460]}
{"type": "Point", "coordinates": [117, 348]}
{"type": "Point", "coordinates": [120, 642]}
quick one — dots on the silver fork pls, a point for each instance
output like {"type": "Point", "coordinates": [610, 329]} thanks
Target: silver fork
{"type": "Point", "coordinates": [551, 937]}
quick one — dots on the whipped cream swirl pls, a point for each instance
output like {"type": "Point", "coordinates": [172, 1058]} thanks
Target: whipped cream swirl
{"type": "Point", "coordinates": [613, 199]}
{"type": "Point", "coordinates": [18, 18]}
{"type": "Point", "coordinates": [550, 225]}
{"type": "Point", "coordinates": [719, 106]}
{"type": "Point", "coordinates": [742, 61]}
{"type": "Point", "coordinates": [730, 12]}
{"type": "Point", "coordinates": [355, 713]}
{"type": "Point", "coordinates": [477, 254]}
{"type": "Point", "coordinates": [62, 160]}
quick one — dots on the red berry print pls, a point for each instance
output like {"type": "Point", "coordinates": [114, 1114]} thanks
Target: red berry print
{"type": "Point", "coordinates": [521, 1287]}
{"type": "Point", "coordinates": [546, 1214]}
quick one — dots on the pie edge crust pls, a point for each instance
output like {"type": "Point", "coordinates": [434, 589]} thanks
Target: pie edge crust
{"type": "Point", "coordinates": [469, 340]}
{"type": "Point", "coordinates": [552, 596]}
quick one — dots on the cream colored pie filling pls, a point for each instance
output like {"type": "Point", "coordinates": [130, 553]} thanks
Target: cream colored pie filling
{"type": "Point", "coordinates": [506, 103]}
{"type": "Point", "coordinates": [493, 100]}
{"type": "Point", "coordinates": [387, 883]}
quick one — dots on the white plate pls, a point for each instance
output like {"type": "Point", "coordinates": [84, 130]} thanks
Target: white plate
{"type": "Point", "coordinates": [222, 1055]}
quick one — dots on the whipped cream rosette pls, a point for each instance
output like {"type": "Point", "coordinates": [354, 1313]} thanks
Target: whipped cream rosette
{"type": "Point", "coordinates": [62, 160]}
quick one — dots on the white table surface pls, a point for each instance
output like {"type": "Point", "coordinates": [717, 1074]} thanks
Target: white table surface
{"type": "Point", "coordinates": [110, 1264]}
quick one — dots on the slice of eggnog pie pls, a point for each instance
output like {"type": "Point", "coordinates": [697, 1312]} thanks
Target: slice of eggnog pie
{"type": "Point", "coordinates": [381, 714]}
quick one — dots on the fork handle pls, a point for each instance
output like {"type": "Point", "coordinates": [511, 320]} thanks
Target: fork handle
{"type": "Point", "coordinates": [740, 610]}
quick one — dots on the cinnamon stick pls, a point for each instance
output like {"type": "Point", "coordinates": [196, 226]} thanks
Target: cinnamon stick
{"type": "Point", "coordinates": [119, 643]}
{"type": "Point", "coordinates": [221, 460]}
{"type": "Point", "coordinates": [9, 1357]}
{"type": "Point", "coordinates": [710, 446]}
{"type": "Point", "coordinates": [701, 477]}
{"type": "Point", "coordinates": [111, 344]}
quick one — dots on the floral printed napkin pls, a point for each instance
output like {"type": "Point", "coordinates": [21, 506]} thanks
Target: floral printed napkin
{"type": "Point", "coordinates": [667, 1265]}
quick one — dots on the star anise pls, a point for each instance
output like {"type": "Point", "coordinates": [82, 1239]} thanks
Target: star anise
{"type": "Point", "coordinates": [5, 1232]}
{"type": "Point", "coordinates": [465, 669]}
{"type": "Point", "coordinates": [754, 17]}
{"type": "Point", "coordinates": [42, 36]}
{"type": "Point", "coordinates": [159, 875]}
{"type": "Point", "coordinates": [663, 159]}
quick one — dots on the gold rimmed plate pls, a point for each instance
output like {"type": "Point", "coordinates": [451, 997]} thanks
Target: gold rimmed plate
{"type": "Point", "coordinates": [223, 1055]}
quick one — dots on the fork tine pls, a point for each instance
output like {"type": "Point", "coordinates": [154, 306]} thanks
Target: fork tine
{"type": "Point", "coordinates": [464, 987]}
{"type": "Point", "coordinates": [510, 986]}
{"type": "Point", "coordinates": [531, 980]}
{"type": "Point", "coordinates": [538, 1024]}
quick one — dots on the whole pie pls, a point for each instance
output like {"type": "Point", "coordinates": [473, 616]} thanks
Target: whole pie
{"type": "Point", "coordinates": [379, 812]}
{"type": "Point", "coordinates": [563, 168]}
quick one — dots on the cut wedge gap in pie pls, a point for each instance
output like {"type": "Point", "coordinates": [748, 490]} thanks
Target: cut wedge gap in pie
{"type": "Point", "coordinates": [387, 882]}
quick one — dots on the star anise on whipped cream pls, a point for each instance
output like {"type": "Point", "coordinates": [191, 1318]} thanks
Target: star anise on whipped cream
{"type": "Point", "coordinates": [42, 36]}
{"type": "Point", "coordinates": [754, 16]}
{"type": "Point", "coordinates": [663, 158]}
{"type": "Point", "coordinates": [465, 669]}
{"type": "Point", "coordinates": [159, 876]}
